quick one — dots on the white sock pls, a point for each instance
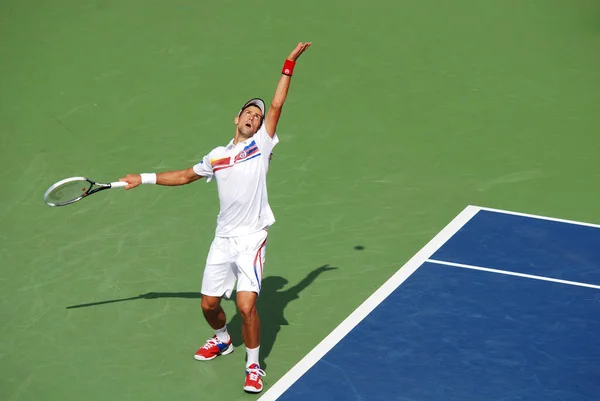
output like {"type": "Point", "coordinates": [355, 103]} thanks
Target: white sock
{"type": "Point", "coordinates": [252, 356]}
{"type": "Point", "coordinates": [223, 335]}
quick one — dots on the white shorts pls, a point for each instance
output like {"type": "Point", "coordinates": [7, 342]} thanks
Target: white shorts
{"type": "Point", "coordinates": [235, 258]}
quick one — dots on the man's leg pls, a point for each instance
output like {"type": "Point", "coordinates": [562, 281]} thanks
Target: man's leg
{"type": "Point", "coordinates": [220, 343]}
{"type": "Point", "coordinates": [250, 263]}
{"type": "Point", "coordinates": [246, 303]}
{"type": "Point", "coordinates": [218, 281]}
{"type": "Point", "coordinates": [213, 312]}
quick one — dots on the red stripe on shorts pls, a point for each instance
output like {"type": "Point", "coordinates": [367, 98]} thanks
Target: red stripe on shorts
{"type": "Point", "coordinates": [257, 257]}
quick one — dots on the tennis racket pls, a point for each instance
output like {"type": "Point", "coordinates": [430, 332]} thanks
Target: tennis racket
{"type": "Point", "coordinates": [73, 189]}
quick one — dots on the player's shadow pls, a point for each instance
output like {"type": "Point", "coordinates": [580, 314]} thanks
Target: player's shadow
{"type": "Point", "coordinates": [271, 305]}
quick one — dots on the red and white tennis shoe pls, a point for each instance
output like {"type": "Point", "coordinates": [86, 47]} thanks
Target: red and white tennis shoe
{"type": "Point", "coordinates": [253, 382]}
{"type": "Point", "coordinates": [212, 349]}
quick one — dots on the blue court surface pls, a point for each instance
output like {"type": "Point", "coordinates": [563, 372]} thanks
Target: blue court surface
{"type": "Point", "coordinates": [498, 306]}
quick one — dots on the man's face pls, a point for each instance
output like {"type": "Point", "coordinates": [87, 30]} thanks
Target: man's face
{"type": "Point", "coordinates": [249, 121]}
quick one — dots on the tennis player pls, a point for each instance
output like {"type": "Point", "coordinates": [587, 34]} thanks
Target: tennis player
{"type": "Point", "coordinates": [237, 253]}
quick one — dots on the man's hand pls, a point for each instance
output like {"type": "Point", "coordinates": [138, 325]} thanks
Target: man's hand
{"type": "Point", "coordinates": [132, 180]}
{"type": "Point", "coordinates": [299, 50]}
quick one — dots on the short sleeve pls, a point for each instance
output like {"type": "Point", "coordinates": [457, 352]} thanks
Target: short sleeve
{"type": "Point", "coordinates": [264, 141]}
{"type": "Point", "coordinates": [204, 169]}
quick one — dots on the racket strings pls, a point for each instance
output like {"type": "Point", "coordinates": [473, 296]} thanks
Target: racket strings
{"type": "Point", "coordinates": [68, 191]}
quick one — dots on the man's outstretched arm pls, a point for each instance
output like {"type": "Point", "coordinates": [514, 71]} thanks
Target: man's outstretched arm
{"type": "Point", "coordinates": [169, 178]}
{"type": "Point", "coordinates": [282, 88]}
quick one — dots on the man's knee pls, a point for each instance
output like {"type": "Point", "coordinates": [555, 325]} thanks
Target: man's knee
{"type": "Point", "coordinates": [247, 306]}
{"type": "Point", "coordinates": [210, 304]}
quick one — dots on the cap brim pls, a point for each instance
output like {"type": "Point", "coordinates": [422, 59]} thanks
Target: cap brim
{"type": "Point", "coordinates": [254, 102]}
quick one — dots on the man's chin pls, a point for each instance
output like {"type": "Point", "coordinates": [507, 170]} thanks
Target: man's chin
{"type": "Point", "coordinates": [247, 132]}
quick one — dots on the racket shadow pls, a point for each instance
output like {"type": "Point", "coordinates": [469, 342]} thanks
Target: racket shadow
{"type": "Point", "coordinates": [271, 306]}
{"type": "Point", "coordinates": [149, 295]}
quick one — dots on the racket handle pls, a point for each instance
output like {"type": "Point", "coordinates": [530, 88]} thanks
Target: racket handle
{"type": "Point", "coordinates": [118, 184]}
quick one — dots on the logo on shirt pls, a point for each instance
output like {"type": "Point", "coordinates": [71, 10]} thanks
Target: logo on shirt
{"type": "Point", "coordinates": [247, 152]}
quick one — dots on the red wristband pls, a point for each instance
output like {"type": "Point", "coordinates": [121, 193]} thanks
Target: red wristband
{"type": "Point", "coordinates": [288, 67]}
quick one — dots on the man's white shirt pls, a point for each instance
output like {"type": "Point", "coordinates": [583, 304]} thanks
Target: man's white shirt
{"type": "Point", "coordinates": [241, 174]}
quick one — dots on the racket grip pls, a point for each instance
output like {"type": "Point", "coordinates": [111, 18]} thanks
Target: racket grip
{"type": "Point", "coordinates": [118, 184]}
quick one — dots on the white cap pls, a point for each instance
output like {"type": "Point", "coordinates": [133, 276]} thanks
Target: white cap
{"type": "Point", "coordinates": [254, 102]}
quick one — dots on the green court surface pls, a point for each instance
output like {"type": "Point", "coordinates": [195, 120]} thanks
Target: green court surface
{"type": "Point", "coordinates": [399, 115]}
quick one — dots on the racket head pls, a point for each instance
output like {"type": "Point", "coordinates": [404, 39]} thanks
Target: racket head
{"type": "Point", "coordinates": [67, 191]}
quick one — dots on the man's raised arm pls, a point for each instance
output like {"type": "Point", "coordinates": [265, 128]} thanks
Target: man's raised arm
{"type": "Point", "coordinates": [282, 88]}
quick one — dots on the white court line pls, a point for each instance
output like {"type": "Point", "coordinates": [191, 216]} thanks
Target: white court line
{"type": "Point", "coordinates": [534, 216]}
{"type": "Point", "coordinates": [509, 273]}
{"type": "Point", "coordinates": [367, 306]}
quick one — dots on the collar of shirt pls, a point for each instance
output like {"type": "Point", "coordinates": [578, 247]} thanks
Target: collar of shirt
{"type": "Point", "coordinates": [231, 145]}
